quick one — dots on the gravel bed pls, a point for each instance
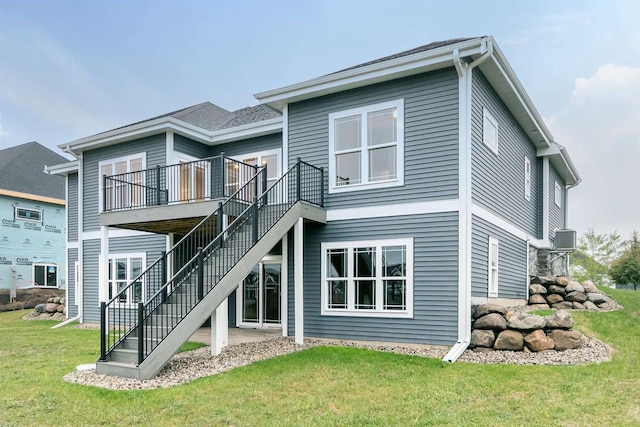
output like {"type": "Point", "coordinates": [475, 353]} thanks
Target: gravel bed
{"type": "Point", "coordinates": [188, 366]}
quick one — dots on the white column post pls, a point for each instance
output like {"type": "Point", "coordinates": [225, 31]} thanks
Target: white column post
{"type": "Point", "coordinates": [284, 287]}
{"type": "Point", "coordinates": [219, 328]}
{"type": "Point", "coordinates": [299, 280]}
{"type": "Point", "coordinates": [103, 266]}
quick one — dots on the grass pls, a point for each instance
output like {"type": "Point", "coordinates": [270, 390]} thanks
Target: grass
{"type": "Point", "coordinates": [542, 312]}
{"type": "Point", "coordinates": [328, 386]}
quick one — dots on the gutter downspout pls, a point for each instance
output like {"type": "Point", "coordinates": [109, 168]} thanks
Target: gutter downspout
{"type": "Point", "coordinates": [66, 322]}
{"type": "Point", "coordinates": [464, 209]}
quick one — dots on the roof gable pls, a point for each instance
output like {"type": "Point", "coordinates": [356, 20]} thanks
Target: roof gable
{"type": "Point", "coordinates": [22, 170]}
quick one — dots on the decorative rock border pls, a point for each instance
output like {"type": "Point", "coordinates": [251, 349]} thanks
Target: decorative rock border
{"type": "Point", "coordinates": [562, 293]}
{"type": "Point", "coordinates": [497, 328]}
{"type": "Point", "coordinates": [54, 309]}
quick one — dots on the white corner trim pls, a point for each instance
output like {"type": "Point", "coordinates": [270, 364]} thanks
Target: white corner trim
{"type": "Point", "coordinates": [285, 139]}
{"type": "Point", "coordinates": [400, 209]}
{"type": "Point", "coordinates": [507, 226]}
{"type": "Point", "coordinates": [73, 245]}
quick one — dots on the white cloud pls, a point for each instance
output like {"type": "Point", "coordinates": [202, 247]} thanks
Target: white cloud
{"type": "Point", "coordinates": [600, 125]}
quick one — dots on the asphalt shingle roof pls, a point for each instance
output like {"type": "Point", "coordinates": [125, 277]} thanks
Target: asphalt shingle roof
{"type": "Point", "coordinates": [22, 170]}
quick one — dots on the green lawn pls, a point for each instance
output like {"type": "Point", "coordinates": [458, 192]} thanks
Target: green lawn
{"type": "Point", "coordinates": [328, 386]}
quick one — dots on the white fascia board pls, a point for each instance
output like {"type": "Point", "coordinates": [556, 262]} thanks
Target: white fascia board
{"type": "Point", "coordinates": [513, 81]}
{"type": "Point", "coordinates": [508, 226]}
{"type": "Point", "coordinates": [378, 72]}
{"type": "Point", "coordinates": [63, 169]}
{"type": "Point", "coordinates": [562, 162]}
{"type": "Point", "coordinates": [164, 124]}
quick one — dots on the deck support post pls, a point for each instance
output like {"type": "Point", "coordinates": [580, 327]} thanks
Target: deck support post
{"type": "Point", "coordinates": [219, 328]}
{"type": "Point", "coordinates": [298, 240]}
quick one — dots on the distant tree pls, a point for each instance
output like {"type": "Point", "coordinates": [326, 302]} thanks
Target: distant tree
{"type": "Point", "coordinates": [626, 268]}
{"type": "Point", "coordinates": [596, 253]}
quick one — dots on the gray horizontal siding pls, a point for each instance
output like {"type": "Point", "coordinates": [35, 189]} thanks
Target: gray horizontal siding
{"type": "Point", "coordinates": [498, 181]}
{"type": "Point", "coordinates": [152, 245]}
{"type": "Point", "coordinates": [512, 261]}
{"type": "Point", "coordinates": [251, 145]}
{"type": "Point", "coordinates": [435, 280]}
{"type": "Point", "coordinates": [431, 136]}
{"type": "Point", "coordinates": [90, 275]}
{"type": "Point", "coordinates": [232, 310]}
{"type": "Point", "coordinates": [556, 214]}
{"type": "Point", "coordinates": [72, 257]}
{"type": "Point", "coordinates": [72, 208]}
{"type": "Point", "coordinates": [154, 147]}
{"type": "Point", "coordinates": [184, 145]}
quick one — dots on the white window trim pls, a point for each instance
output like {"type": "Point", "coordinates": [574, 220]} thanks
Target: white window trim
{"type": "Point", "coordinates": [527, 178]}
{"type": "Point", "coordinates": [261, 154]}
{"type": "Point", "coordinates": [45, 264]}
{"type": "Point", "coordinates": [408, 313]}
{"type": "Point", "coordinates": [399, 180]}
{"type": "Point", "coordinates": [113, 161]}
{"type": "Point", "coordinates": [557, 194]}
{"type": "Point", "coordinates": [17, 218]}
{"type": "Point", "coordinates": [492, 288]}
{"type": "Point", "coordinates": [488, 117]}
{"type": "Point", "coordinates": [128, 256]}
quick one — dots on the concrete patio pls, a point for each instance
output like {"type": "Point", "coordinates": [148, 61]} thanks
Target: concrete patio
{"type": "Point", "coordinates": [237, 335]}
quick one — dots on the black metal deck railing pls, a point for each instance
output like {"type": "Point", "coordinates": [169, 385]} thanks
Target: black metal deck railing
{"type": "Point", "coordinates": [204, 257]}
{"type": "Point", "coordinates": [205, 179]}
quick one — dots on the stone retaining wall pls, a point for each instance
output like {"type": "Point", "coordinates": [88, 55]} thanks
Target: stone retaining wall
{"type": "Point", "coordinates": [495, 327]}
{"type": "Point", "coordinates": [563, 293]}
{"type": "Point", "coordinates": [27, 298]}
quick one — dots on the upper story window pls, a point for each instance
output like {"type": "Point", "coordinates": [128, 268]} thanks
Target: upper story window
{"type": "Point", "coordinates": [125, 190]}
{"type": "Point", "coordinates": [527, 178]}
{"type": "Point", "coordinates": [368, 278]}
{"type": "Point", "coordinates": [493, 267]}
{"type": "Point", "coordinates": [557, 194]}
{"type": "Point", "coordinates": [26, 214]}
{"type": "Point", "coordinates": [366, 147]}
{"type": "Point", "coordinates": [489, 130]}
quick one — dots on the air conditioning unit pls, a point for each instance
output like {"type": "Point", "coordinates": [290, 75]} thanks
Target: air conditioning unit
{"type": "Point", "coordinates": [565, 240]}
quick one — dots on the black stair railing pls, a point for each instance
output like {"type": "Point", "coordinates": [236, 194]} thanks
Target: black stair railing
{"type": "Point", "coordinates": [203, 179]}
{"type": "Point", "coordinates": [156, 318]}
{"type": "Point", "coordinates": [120, 313]}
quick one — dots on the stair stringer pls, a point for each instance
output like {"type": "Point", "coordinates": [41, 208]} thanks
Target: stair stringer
{"type": "Point", "coordinates": [165, 350]}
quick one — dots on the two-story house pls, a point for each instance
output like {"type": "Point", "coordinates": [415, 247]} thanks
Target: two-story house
{"type": "Point", "coordinates": [374, 203]}
{"type": "Point", "coordinates": [32, 220]}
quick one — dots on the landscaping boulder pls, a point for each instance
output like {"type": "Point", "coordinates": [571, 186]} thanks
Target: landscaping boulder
{"type": "Point", "coordinates": [56, 300]}
{"type": "Point", "coordinates": [556, 289]}
{"type": "Point", "coordinates": [562, 281]}
{"type": "Point", "coordinates": [560, 320]}
{"type": "Point", "coordinates": [493, 321]}
{"type": "Point", "coordinates": [563, 305]}
{"type": "Point", "coordinates": [40, 308]}
{"type": "Point", "coordinates": [590, 306]}
{"type": "Point", "coordinates": [526, 322]}
{"type": "Point", "coordinates": [51, 307]}
{"type": "Point", "coordinates": [596, 298]}
{"type": "Point", "coordinates": [537, 299]}
{"type": "Point", "coordinates": [484, 309]}
{"type": "Point", "coordinates": [538, 341]}
{"type": "Point", "coordinates": [544, 306]}
{"type": "Point", "coordinates": [589, 286]}
{"type": "Point", "coordinates": [537, 289]}
{"type": "Point", "coordinates": [509, 340]}
{"type": "Point", "coordinates": [60, 308]}
{"type": "Point", "coordinates": [50, 300]}
{"type": "Point", "coordinates": [565, 340]}
{"type": "Point", "coordinates": [554, 298]}
{"type": "Point", "coordinates": [547, 280]}
{"type": "Point", "coordinates": [576, 296]}
{"type": "Point", "coordinates": [482, 338]}
{"type": "Point", "coordinates": [574, 286]}
{"type": "Point", "coordinates": [577, 305]}
{"type": "Point", "coordinates": [63, 300]}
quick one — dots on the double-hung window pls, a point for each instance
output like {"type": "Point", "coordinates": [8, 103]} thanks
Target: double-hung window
{"type": "Point", "coordinates": [366, 147]}
{"type": "Point", "coordinates": [493, 267]}
{"type": "Point", "coordinates": [368, 278]}
{"type": "Point", "coordinates": [126, 186]}
{"type": "Point", "coordinates": [527, 178]}
{"type": "Point", "coordinates": [123, 269]}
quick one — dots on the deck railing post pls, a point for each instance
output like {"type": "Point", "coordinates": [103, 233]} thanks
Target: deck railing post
{"type": "Point", "coordinates": [321, 185]}
{"type": "Point", "coordinates": [264, 184]}
{"type": "Point", "coordinates": [158, 189]}
{"type": "Point", "coordinates": [298, 180]}
{"type": "Point", "coordinates": [140, 333]}
{"type": "Point", "coordinates": [104, 193]}
{"type": "Point", "coordinates": [220, 224]}
{"type": "Point", "coordinates": [254, 213]}
{"type": "Point", "coordinates": [163, 273]}
{"type": "Point", "coordinates": [103, 331]}
{"type": "Point", "coordinates": [223, 174]}
{"type": "Point", "coordinates": [200, 273]}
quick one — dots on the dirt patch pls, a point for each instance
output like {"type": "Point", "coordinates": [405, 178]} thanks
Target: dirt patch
{"type": "Point", "coordinates": [27, 298]}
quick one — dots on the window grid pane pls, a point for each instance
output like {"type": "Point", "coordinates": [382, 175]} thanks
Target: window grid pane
{"type": "Point", "coordinates": [348, 133]}
{"type": "Point", "coordinates": [382, 126]}
{"type": "Point", "coordinates": [337, 297]}
{"type": "Point", "coordinates": [395, 296]}
{"type": "Point", "coordinates": [365, 294]}
{"type": "Point", "coordinates": [348, 168]}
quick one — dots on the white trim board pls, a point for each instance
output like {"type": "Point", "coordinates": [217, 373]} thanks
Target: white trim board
{"type": "Point", "coordinates": [114, 233]}
{"type": "Point", "coordinates": [505, 225]}
{"type": "Point", "coordinates": [400, 209]}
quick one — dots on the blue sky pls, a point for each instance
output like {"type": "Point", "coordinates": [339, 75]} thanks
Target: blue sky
{"type": "Point", "coordinates": [69, 69]}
